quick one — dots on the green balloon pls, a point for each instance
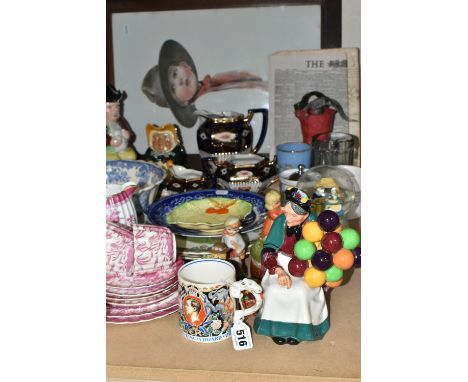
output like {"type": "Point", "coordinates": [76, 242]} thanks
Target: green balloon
{"type": "Point", "coordinates": [256, 250]}
{"type": "Point", "coordinates": [350, 238]}
{"type": "Point", "coordinates": [304, 249]}
{"type": "Point", "coordinates": [333, 273]}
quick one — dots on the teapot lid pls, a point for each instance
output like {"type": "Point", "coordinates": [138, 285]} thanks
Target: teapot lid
{"type": "Point", "coordinates": [222, 117]}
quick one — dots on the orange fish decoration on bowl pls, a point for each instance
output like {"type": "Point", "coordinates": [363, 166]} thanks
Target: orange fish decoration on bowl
{"type": "Point", "coordinates": [220, 208]}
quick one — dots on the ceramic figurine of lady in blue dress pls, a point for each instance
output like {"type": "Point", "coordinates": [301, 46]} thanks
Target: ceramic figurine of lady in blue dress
{"type": "Point", "coordinates": [292, 311]}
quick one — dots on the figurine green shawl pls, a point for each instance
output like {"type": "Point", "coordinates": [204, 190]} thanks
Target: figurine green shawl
{"type": "Point", "coordinates": [275, 237]}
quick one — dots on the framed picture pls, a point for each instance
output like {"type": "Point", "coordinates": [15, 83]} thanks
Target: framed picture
{"type": "Point", "coordinates": [228, 41]}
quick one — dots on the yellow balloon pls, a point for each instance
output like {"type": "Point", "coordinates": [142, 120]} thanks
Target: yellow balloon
{"type": "Point", "coordinates": [311, 231]}
{"type": "Point", "coordinates": [314, 278]}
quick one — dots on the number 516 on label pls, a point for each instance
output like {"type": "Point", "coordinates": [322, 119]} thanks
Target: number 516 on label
{"type": "Point", "coordinates": [241, 337]}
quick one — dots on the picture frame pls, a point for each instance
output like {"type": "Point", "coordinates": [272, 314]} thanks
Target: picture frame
{"type": "Point", "coordinates": [141, 26]}
{"type": "Point", "coordinates": [330, 34]}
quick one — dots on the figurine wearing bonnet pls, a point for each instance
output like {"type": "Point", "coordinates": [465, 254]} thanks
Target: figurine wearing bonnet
{"type": "Point", "coordinates": [174, 83]}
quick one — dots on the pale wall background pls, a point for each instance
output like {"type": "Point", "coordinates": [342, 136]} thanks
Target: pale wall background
{"type": "Point", "coordinates": [351, 24]}
{"type": "Point", "coordinates": [129, 70]}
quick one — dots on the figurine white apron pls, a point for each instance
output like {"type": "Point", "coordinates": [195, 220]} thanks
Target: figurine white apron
{"type": "Point", "coordinates": [299, 312]}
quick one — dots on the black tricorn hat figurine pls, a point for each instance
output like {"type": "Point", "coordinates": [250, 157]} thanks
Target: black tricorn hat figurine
{"type": "Point", "coordinates": [112, 94]}
{"type": "Point", "coordinates": [298, 197]}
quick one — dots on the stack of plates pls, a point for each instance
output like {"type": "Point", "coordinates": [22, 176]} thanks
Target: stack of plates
{"type": "Point", "coordinates": [142, 266]}
{"type": "Point", "coordinates": [145, 297]}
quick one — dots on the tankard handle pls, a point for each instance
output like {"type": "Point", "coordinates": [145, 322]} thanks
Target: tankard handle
{"type": "Point", "coordinates": [235, 291]}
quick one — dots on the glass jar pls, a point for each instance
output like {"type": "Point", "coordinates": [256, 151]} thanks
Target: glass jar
{"type": "Point", "coordinates": [339, 150]}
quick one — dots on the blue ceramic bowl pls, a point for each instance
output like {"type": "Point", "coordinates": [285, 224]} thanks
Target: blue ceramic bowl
{"type": "Point", "coordinates": [158, 211]}
{"type": "Point", "coordinates": [146, 175]}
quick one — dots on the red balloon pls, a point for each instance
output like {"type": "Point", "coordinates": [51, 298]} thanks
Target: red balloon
{"type": "Point", "coordinates": [332, 242]}
{"type": "Point", "coordinates": [297, 267]}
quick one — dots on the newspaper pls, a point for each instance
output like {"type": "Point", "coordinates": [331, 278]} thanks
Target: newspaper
{"type": "Point", "coordinates": [333, 72]}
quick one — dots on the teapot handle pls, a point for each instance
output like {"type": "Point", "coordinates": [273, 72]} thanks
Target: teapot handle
{"type": "Point", "coordinates": [250, 114]}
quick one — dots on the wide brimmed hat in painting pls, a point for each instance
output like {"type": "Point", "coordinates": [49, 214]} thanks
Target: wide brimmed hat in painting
{"type": "Point", "coordinates": [156, 84]}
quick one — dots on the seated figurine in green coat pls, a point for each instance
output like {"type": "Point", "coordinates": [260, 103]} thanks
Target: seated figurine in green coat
{"type": "Point", "coordinates": [292, 311]}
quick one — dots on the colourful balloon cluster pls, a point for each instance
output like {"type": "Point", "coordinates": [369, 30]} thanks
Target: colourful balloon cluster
{"type": "Point", "coordinates": [330, 249]}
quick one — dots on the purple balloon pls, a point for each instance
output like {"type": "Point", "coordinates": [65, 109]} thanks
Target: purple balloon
{"type": "Point", "coordinates": [322, 260]}
{"type": "Point", "coordinates": [357, 257]}
{"type": "Point", "coordinates": [328, 220]}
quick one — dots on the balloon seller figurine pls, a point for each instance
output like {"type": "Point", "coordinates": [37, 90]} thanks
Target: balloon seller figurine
{"type": "Point", "coordinates": [118, 134]}
{"type": "Point", "coordinates": [236, 245]}
{"type": "Point", "coordinates": [294, 307]}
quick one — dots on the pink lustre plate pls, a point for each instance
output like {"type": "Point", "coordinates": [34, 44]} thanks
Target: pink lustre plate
{"type": "Point", "coordinates": [139, 295]}
{"type": "Point", "coordinates": [125, 311]}
{"type": "Point", "coordinates": [158, 285]}
{"type": "Point", "coordinates": [129, 301]}
{"type": "Point", "coordinates": [141, 291]}
{"type": "Point", "coordinates": [148, 279]}
{"type": "Point", "coordinates": [143, 317]}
